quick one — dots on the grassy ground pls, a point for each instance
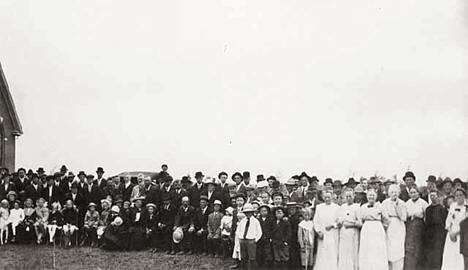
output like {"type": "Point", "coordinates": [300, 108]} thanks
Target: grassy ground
{"type": "Point", "coordinates": [32, 257]}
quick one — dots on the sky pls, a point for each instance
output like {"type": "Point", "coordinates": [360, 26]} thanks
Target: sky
{"type": "Point", "coordinates": [334, 88]}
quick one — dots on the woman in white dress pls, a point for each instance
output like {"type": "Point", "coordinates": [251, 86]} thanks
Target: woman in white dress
{"type": "Point", "coordinates": [326, 226]}
{"type": "Point", "coordinates": [372, 245]}
{"type": "Point", "coordinates": [452, 259]}
{"type": "Point", "coordinates": [395, 208]}
{"type": "Point", "coordinates": [349, 223]}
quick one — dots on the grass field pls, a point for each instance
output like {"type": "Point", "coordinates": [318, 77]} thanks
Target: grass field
{"type": "Point", "coordinates": [32, 257]}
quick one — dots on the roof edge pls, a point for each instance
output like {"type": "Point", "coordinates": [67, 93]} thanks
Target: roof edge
{"type": "Point", "coordinates": [5, 92]}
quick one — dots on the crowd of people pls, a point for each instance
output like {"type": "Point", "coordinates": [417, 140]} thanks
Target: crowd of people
{"type": "Point", "coordinates": [365, 224]}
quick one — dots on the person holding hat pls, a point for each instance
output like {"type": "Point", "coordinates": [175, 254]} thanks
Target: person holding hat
{"type": "Point", "coordinates": [249, 232]}
{"type": "Point", "coordinates": [326, 225]}
{"type": "Point", "coordinates": [197, 189]}
{"type": "Point", "coordinates": [184, 220]}
{"type": "Point", "coordinates": [200, 221]}
{"type": "Point", "coordinates": [91, 223]}
{"type": "Point", "coordinates": [214, 229]}
{"type": "Point", "coordinates": [280, 238]}
{"type": "Point", "coordinates": [166, 218]}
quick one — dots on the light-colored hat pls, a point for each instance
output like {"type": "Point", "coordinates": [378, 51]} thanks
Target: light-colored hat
{"type": "Point", "coordinates": [291, 182]}
{"type": "Point", "coordinates": [138, 198]}
{"type": "Point", "coordinates": [91, 204]}
{"type": "Point", "coordinates": [151, 205]}
{"type": "Point", "coordinates": [230, 210]}
{"type": "Point", "coordinates": [248, 208]}
{"type": "Point", "coordinates": [218, 202]}
{"type": "Point", "coordinates": [11, 193]}
{"type": "Point", "coordinates": [115, 208]}
{"type": "Point", "coordinates": [178, 235]}
{"type": "Point", "coordinates": [118, 221]}
{"type": "Point", "coordinates": [106, 201]}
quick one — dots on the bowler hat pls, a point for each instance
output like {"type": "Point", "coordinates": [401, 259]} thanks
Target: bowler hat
{"type": "Point", "coordinates": [409, 174]}
{"type": "Point", "coordinates": [351, 181]}
{"type": "Point", "coordinates": [431, 179]}
{"type": "Point", "coordinates": [40, 170]}
{"type": "Point", "coordinates": [81, 173]}
{"type": "Point", "coordinates": [260, 178]}
{"type": "Point", "coordinates": [246, 174]}
{"type": "Point", "coordinates": [100, 170]}
{"type": "Point", "coordinates": [328, 181]}
{"type": "Point", "coordinates": [199, 174]}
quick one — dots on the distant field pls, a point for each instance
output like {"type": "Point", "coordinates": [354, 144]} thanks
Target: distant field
{"type": "Point", "coordinates": [32, 257]}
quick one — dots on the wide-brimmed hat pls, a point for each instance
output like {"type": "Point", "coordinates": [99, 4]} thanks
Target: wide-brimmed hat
{"type": "Point", "coordinates": [218, 202]}
{"type": "Point", "coordinates": [262, 184]}
{"type": "Point", "coordinates": [260, 178]}
{"type": "Point", "coordinates": [40, 170]}
{"type": "Point", "coordinates": [105, 201]}
{"type": "Point", "coordinates": [91, 204]}
{"type": "Point", "coordinates": [100, 170]}
{"type": "Point", "coordinates": [291, 182]}
{"type": "Point", "coordinates": [351, 181]}
{"type": "Point", "coordinates": [118, 221]}
{"type": "Point", "coordinates": [236, 174]}
{"type": "Point", "coordinates": [293, 205]}
{"type": "Point", "coordinates": [115, 208]}
{"type": "Point", "coordinates": [304, 174]}
{"type": "Point", "coordinates": [11, 192]}
{"type": "Point", "coordinates": [328, 181]}
{"type": "Point", "coordinates": [138, 198]}
{"type": "Point", "coordinates": [337, 183]}
{"type": "Point", "coordinates": [81, 173]}
{"type": "Point", "coordinates": [248, 208]}
{"type": "Point", "coordinates": [178, 235]}
{"type": "Point", "coordinates": [151, 205]}
{"type": "Point", "coordinates": [210, 181]}
{"type": "Point", "coordinates": [229, 210]}
{"type": "Point", "coordinates": [199, 174]}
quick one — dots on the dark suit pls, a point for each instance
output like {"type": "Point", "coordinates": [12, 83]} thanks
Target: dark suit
{"type": "Point", "coordinates": [184, 219]}
{"type": "Point", "coordinates": [102, 187]}
{"type": "Point", "coordinates": [201, 223]}
{"type": "Point", "coordinates": [166, 216]}
{"type": "Point", "coordinates": [4, 189]}
{"type": "Point", "coordinates": [127, 192]}
{"type": "Point", "coordinates": [280, 236]}
{"type": "Point", "coordinates": [21, 184]}
{"type": "Point", "coordinates": [33, 193]}
{"type": "Point", "coordinates": [153, 195]}
{"type": "Point", "coordinates": [214, 196]}
{"type": "Point", "coordinates": [56, 195]}
{"type": "Point", "coordinates": [81, 205]}
{"type": "Point", "coordinates": [264, 249]}
{"type": "Point", "coordinates": [176, 196]}
{"type": "Point", "coordinates": [195, 193]}
{"type": "Point", "coordinates": [404, 195]}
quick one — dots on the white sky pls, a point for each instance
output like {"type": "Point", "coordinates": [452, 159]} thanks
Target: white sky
{"type": "Point", "coordinates": [275, 87]}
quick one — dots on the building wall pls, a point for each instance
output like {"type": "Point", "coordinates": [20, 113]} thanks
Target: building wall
{"type": "Point", "coordinates": [9, 139]}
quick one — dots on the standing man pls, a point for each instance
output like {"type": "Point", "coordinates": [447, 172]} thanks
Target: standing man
{"type": "Point", "coordinates": [101, 183]}
{"type": "Point", "coordinates": [249, 233]}
{"type": "Point", "coordinates": [240, 185]}
{"type": "Point", "coordinates": [409, 180]}
{"type": "Point", "coordinates": [197, 189]}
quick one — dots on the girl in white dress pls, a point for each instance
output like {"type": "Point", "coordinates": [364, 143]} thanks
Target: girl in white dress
{"type": "Point", "coordinates": [16, 217]}
{"type": "Point", "coordinates": [372, 245]}
{"type": "Point", "coordinates": [349, 223]}
{"type": "Point", "coordinates": [326, 226]}
{"type": "Point", "coordinates": [452, 259]}
{"type": "Point", "coordinates": [395, 208]}
{"type": "Point", "coordinates": [4, 215]}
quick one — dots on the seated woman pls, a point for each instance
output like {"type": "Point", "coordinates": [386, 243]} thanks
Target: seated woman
{"type": "Point", "coordinates": [70, 221]}
{"type": "Point", "coordinates": [91, 223]}
{"type": "Point", "coordinates": [115, 232]}
{"type": "Point", "coordinates": [26, 227]}
{"type": "Point", "coordinates": [103, 216]}
{"type": "Point", "coordinates": [40, 224]}
{"type": "Point", "coordinates": [137, 230]}
{"type": "Point", "coordinates": [55, 221]}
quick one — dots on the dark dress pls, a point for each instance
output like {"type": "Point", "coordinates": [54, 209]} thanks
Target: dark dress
{"type": "Point", "coordinates": [436, 234]}
{"type": "Point", "coordinates": [137, 230]}
{"type": "Point", "coordinates": [26, 234]}
{"type": "Point", "coordinates": [114, 236]}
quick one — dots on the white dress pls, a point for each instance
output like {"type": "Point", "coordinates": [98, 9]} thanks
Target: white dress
{"type": "Point", "coordinates": [452, 259]}
{"type": "Point", "coordinates": [372, 244]}
{"type": "Point", "coordinates": [348, 250]}
{"type": "Point", "coordinates": [4, 215]}
{"type": "Point", "coordinates": [396, 230]}
{"type": "Point", "coordinates": [327, 249]}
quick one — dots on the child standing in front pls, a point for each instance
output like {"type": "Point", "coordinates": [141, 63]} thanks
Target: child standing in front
{"type": "Point", "coordinates": [16, 217]}
{"type": "Point", "coordinates": [305, 235]}
{"type": "Point", "coordinates": [280, 235]}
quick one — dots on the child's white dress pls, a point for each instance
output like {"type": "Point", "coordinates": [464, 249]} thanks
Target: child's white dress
{"type": "Point", "coordinates": [4, 215]}
{"type": "Point", "coordinates": [16, 216]}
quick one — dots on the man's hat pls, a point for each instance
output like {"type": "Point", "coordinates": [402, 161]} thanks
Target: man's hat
{"type": "Point", "coordinates": [185, 179]}
{"type": "Point", "coordinates": [457, 180]}
{"type": "Point", "coordinates": [151, 205]}
{"type": "Point", "coordinates": [447, 180]}
{"type": "Point", "coordinates": [199, 174]}
{"type": "Point", "coordinates": [291, 182]}
{"type": "Point", "coordinates": [246, 174]}
{"type": "Point", "coordinates": [210, 181]}
{"type": "Point", "coordinates": [11, 193]}
{"type": "Point", "coordinates": [217, 202]}
{"type": "Point", "coordinates": [242, 195]}
{"type": "Point", "coordinates": [260, 178]}
{"type": "Point", "coordinates": [237, 174]}
{"type": "Point", "coordinates": [40, 170]}
{"type": "Point", "coordinates": [63, 168]}
{"type": "Point", "coordinates": [115, 208]}
{"type": "Point", "coordinates": [138, 199]}
{"type": "Point", "coordinates": [337, 183]}
{"type": "Point", "coordinates": [304, 174]}
{"type": "Point", "coordinates": [328, 180]}
{"type": "Point", "coordinates": [100, 170]}
{"type": "Point", "coordinates": [248, 208]}
{"type": "Point", "coordinates": [81, 173]}
{"type": "Point", "coordinates": [118, 221]}
{"type": "Point", "coordinates": [262, 184]}
{"type": "Point", "coordinates": [351, 181]}
{"type": "Point", "coordinates": [314, 179]}
{"type": "Point", "coordinates": [409, 174]}
{"type": "Point", "coordinates": [271, 178]}
{"type": "Point", "coordinates": [293, 204]}
{"type": "Point", "coordinates": [178, 235]}
{"type": "Point", "coordinates": [431, 179]}
{"type": "Point", "coordinates": [91, 204]}
{"type": "Point", "coordinates": [203, 198]}
{"type": "Point", "coordinates": [105, 201]}
{"type": "Point", "coordinates": [90, 176]}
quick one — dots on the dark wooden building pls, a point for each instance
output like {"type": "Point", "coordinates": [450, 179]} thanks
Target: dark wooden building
{"type": "Point", "coordinates": [10, 126]}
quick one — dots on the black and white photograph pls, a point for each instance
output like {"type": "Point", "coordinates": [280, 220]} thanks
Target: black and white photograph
{"type": "Point", "coordinates": [234, 134]}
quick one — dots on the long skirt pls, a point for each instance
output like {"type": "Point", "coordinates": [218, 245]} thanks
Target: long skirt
{"type": "Point", "coordinates": [348, 251]}
{"type": "Point", "coordinates": [137, 240]}
{"type": "Point", "coordinates": [413, 243]}
{"type": "Point", "coordinates": [327, 251]}
{"type": "Point", "coordinates": [395, 237]}
{"type": "Point", "coordinates": [372, 247]}
{"type": "Point", "coordinates": [452, 259]}
{"type": "Point", "coordinates": [434, 247]}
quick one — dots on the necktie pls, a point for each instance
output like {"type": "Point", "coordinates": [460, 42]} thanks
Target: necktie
{"type": "Point", "coordinates": [303, 192]}
{"type": "Point", "coordinates": [246, 228]}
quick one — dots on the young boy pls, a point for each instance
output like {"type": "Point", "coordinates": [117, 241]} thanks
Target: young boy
{"type": "Point", "coordinates": [249, 232]}
{"type": "Point", "coordinates": [16, 217]}
{"type": "Point", "coordinates": [305, 236]}
{"type": "Point", "coordinates": [214, 231]}
{"type": "Point", "coordinates": [264, 251]}
{"type": "Point", "coordinates": [280, 235]}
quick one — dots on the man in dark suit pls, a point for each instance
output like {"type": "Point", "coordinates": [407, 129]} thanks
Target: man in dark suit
{"type": "Point", "coordinates": [92, 192]}
{"type": "Point", "coordinates": [223, 186]}
{"type": "Point", "coordinates": [166, 215]}
{"type": "Point", "coordinates": [79, 201]}
{"type": "Point", "coordinates": [127, 188]}
{"type": "Point", "coordinates": [101, 182]}
{"type": "Point", "coordinates": [65, 186]}
{"type": "Point", "coordinates": [211, 193]}
{"type": "Point", "coordinates": [240, 186]}
{"type": "Point", "coordinates": [184, 219]}
{"type": "Point", "coordinates": [197, 189]}
{"type": "Point", "coordinates": [6, 186]}
{"type": "Point", "coordinates": [152, 193]}
{"type": "Point", "coordinates": [34, 190]}
{"type": "Point", "coordinates": [166, 186]}
{"type": "Point", "coordinates": [52, 192]}
{"type": "Point", "coordinates": [177, 193]}
{"type": "Point", "coordinates": [21, 182]}
{"type": "Point", "coordinates": [410, 180]}
{"type": "Point", "coordinates": [201, 222]}
{"type": "Point", "coordinates": [264, 251]}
